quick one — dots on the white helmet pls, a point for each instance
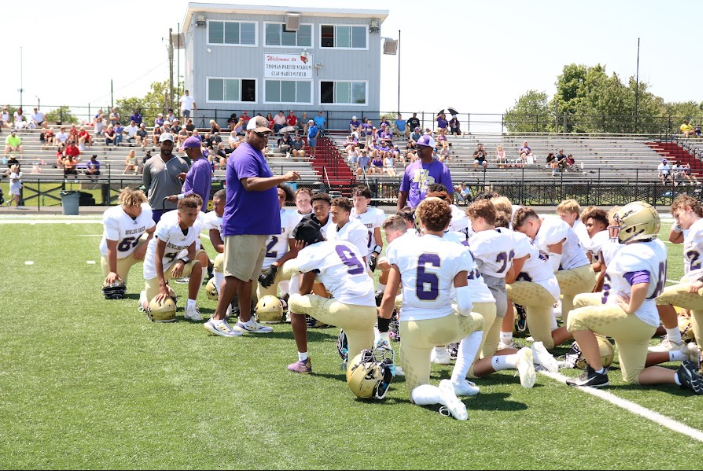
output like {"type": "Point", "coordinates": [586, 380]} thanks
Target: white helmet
{"type": "Point", "coordinates": [161, 312]}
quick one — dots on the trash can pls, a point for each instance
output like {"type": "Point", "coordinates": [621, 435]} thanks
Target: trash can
{"type": "Point", "coordinates": [69, 202]}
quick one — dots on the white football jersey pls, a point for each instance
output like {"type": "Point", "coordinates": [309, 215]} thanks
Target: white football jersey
{"type": "Point", "coordinates": [552, 231]}
{"type": "Point", "coordinates": [177, 243]}
{"type": "Point", "coordinates": [646, 259]}
{"type": "Point", "coordinates": [582, 233]}
{"type": "Point", "coordinates": [536, 268]}
{"type": "Point", "coordinates": [428, 266]}
{"type": "Point", "coordinates": [213, 221]}
{"type": "Point", "coordinates": [119, 226]}
{"type": "Point", "coordinates": [340, 267]}
{"type": "Point", "coordinates": [595, 247]}
{"type": "Point", "coordinates": [693, 249]}
{"type": "Point", "coordinates": [277, 245]}
{"type": "Point", "coordinates": [353, 232]}
{"type": "Point", "coordinates": [609, 250]}
{"type": "Point", "coordinates": [478, 287]}
{"type": "Point", "coordinates": [493, 251]}
{"type": "Point", "coordinates": [299, 217]}
{"type": "Point", "coordinates": [460, 221]}
{"type": "Point", "coordinates": [371, 219]}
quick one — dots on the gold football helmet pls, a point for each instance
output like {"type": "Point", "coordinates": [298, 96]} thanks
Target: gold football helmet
{"type": "Point", "coordinates": [635, 222]}
{"type": "Point", "coordinates": [576, 359]}
{"type": "Point", "coordinates": [269, 309]}
{"type": "Point", "coordinates": [686, 329]}
{"type": "Point", "coordinates": [369, 378]}
{"type": "Point", "coordinates": [211, 290]}
{"type": "Point", "coordinates": [161, 312]}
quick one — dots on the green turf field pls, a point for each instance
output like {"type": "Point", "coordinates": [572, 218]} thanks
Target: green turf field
{"type": "Point", "coordinates": [90, 384]}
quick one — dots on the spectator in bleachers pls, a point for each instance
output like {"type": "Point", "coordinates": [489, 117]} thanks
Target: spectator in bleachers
{"type": "Point", "coordinates": [49, 139]}
{"type": "Point", "coordinates": [401, 127]}
{"type": "Point", "coordinates": [62, 136]}
{"type": "Point", "coordinates": [269, 119]}
{"type": "Point", "coordinates": [298, 147]}
{"type": "Point", "coordinates": [15, 185]}
{"type": "Point", "coordinates": [664, 171]}
{"type": "Point", "coordinates": [414, 137]}
{"type": "Point", "coordinates": [167, 127]}
{"type": "Point", "coordinates": [384, 123]}
{"type": "Point", "coordinates": [303, 124]}
{"type": "Point", "coordinates": [232, 121]}
{"type": "Point", "coordinates": [698, 130]}
{"type": "Point", "coordinates": [155, 136]}
{"type": "Point", "coordinates": [687, 130]}
{"type": "Point", "coordinates": [480, 158]}
{"type": "Point", "coordinates": [84, 138]}
{"type": "Point", "coordinates": [389, 166]}
{"type": "Point", "coordinates": [20, 121]}
{"type": "Point", "coordinates": [313, 135]}
{"type": "Point", "coordinates": [131, 131]}
{"type": "Point", "coordinates": [214, 127]}
{"type": "Point", "coordinates": [188, 105]}
{"type": "Point", "coordinates": [145, 159]}
{"type": "Point", "coordinates": [285, 143]}
{"type": "Point", "coordinates": [110, 136]}
{"type": "Point", "coordinates": [13, 143]}
{"type": "Point", "coordinates": [4, 118]}
{"type": "Point", "coordinates": [114, 117]}
{"type": "Point", "coordinates": [159, 121]}
{"type": "Point", "coordinates": [176, 126]}
{"type": "Point", "coordinates": [525, 152]}
{"type": "Point", "coordinates": [221, 156]}
{"type": "Point", "coordinates": [442, 123]}
{"type": "Point", "coordinates": [131, 164]}
{"type": "Point", "coordinates": [119, 133]}
{"type": "Point", "coordinates": [501, 158]}
{"type": "Point", "coordinates": [454, 126]}
{"type": "Point", "coordinates": [320, 122]}
{"type": "Point", "coordinates": [99, 124]}
{"type": "Point", "coordinates": [362, 164]}
{"type": "Point", "coordinates": [355, 126]}
{"type": "Point", "coordinates": [376, 164]}
{"type": "Point", "coordinates": [71, 159]}
{"type": "Point", "coordinates": [190, 127]}
{"type": "Point", "coordinates": [397, 155]}
{"type": "Point", "coordinates": [73, 133]}
{"type": "Point", "coordinates": [234, 141]}
{"type": "Point", "coordinates": [142, 136]}
{"type": "Point", "coordinates": [60, 155]}
{"type": "Point", "coordinates": [370, 131]}
{"type": "Point", "coordinates": [170, 117]}
{"type": "Point", "coordinates": [688, 174]}
{"type": "Point", "coordinates": [10, 162]}
{"type": "Point", "coordinates": [136, 117]}
{"type": "Point", "coordinates": [37, 120]}
{"type": "Point", "coordinates": [351, 143]}
{"type": "Point", "coordinates": [551, 160]}
{"type": "Point", "coordinates": [570, 162]}
{"type": "Point", "coordinates": [352, 157]}
{"type": "Point", "coordinates": [677, 173]}
{"type": "Point", "coordinates": [72, 150]}
{"type": "Point", "coordinates": [92, 169]}
{"type": "Point", "coordinates": [245, 117]}
{"type": "Point", "coordinates": [279, 122]}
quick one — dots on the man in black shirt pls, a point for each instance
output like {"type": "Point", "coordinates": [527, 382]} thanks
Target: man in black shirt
{"type": "Point", "coordinates": [413, 122]}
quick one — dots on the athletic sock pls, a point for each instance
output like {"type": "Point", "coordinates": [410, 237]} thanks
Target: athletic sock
{"type": "Point", "coordinates": [674, 335]}
{"type": "Point", "coordinates": [302, 356]}
{"type": "Point", "coordinates": [427, 395]}
{"type": "Point", "coordinates": [504, 362]}
{"type": "Point", "coordinates": [468, 348]}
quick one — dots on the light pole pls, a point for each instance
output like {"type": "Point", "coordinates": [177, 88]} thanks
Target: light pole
{"type": "Point", "coordinates": [38, 102]}
{"type": "Point", "coordinates": [21, 90]}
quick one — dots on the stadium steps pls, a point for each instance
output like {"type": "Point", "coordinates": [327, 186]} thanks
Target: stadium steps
{"type": "Point", "coordinates": [674, 152]}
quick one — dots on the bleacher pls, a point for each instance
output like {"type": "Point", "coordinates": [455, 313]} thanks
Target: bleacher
{"type": "Point", "coordinates": [597, 157]}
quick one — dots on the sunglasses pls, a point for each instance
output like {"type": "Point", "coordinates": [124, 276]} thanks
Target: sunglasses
{"type": "Point", "coordinates": [262, 135]}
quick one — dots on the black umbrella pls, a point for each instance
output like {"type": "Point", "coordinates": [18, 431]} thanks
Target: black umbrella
{"type": "Point", "coordinates": [452, 111]}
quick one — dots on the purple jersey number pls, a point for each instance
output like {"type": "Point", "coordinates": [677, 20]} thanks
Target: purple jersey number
{"type": "Point", "coordinates": [505, 259]}
{"type": "Point", "coordinates": [424, 278]}
{"type": "Point", "coordinates": [270, 245]}
{"type": "Point", "coordinates": [693, 257]}
{"type": "Point", "coordinates": [349, 259]}
{"type": "Point", "coordinates": [128, 243]}
{"type": "Point", "coordinates": [661, 280]}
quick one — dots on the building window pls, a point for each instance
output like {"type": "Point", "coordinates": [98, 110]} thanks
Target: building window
{"type": "Point", "coordinates": [343, 93]}
{"type": "Point", "coordinates": [232, 33]}
{"type": "Point", "coordinates": [276, 35]}
{"type": "Point", "coordinates": [231, 90]}
{"type": "Point", "coordinates": [288, 91]}
{"type": "Point", "coordinates": [344, 37]}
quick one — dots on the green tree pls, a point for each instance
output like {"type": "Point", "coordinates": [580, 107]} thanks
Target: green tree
{"type": "Point", "coordinates": [61, 115]}
{"type": "Point", "coordinates": [530, 114]}
{"type": "Point", "coordinates": [154, 102]}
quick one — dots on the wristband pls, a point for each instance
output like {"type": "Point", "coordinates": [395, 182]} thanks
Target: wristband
{"type": "Point", "coordinates": [181, 196]}
{"type": "Point", "coordinates": [377, 249]}
{"type": "Point", "coordinates": [676, 228]}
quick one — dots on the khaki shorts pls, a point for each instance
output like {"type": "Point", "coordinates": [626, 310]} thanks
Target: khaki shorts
{"type": "Point", "coordinates": [631, 335]}
{"type": "Point", "coordinates": [219, 263]}
{"type": "Point", "coordinates": [152, 285]}
{"type": "Point", "coordinates": [244, 256]}
{"type": "Point", "coordinates": [123, 264]}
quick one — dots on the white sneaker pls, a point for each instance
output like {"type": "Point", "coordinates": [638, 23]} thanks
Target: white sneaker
{"type": "Point", "coordinates": [143, 304]}
{"type": "Point", "coordinates": [193, 313]}
{"type": "Point", "coordinates": [221, 328]}
{"type": "Point", "coordinates": [465, 388]}
{"type": "Point", "coordinates": [504, 346]}
{"type": "Point", "coordinates": [693, 352]}
{"type": "Point", "coordinates": [526, 368]}
{"type": "Point", "coordinates": [252, 327]}
{"type": "Point", "coordinates": [542, 357]}
{"type": "Point", "coordinates": [440, 358]}
{"type": "Point", "coordinates": [667, 346]}
{"type": "Point", "coordinates": [452, 403]}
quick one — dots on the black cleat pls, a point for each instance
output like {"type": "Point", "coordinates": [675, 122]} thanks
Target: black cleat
{"type": "Point", "coordinates": [590, 379]}
{"type": "Point", "coordinates": [689, 377]}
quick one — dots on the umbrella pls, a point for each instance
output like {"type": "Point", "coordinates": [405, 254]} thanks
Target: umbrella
{"type": "Point", "coordinates": [452, 111]}
{"type": "Point", "coordinates": [288, 129]}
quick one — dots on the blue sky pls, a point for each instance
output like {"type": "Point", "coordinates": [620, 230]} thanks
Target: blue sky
{"type": "Point", "coordinates": [477, 56]}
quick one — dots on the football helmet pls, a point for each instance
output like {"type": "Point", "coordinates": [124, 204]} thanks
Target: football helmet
{"type": "Point", "coordinates": [369, 374]}
{"type": "Point", "coordinates": [269, 309]}
{"type": "Point", "coordinates": [116, 290]}
{"type": "Point", "coordinates": [211, 290]}
{"type": "Point", "coordinates": [575, 358]}
{"type": "Point", "coordinates": [635, 222]}
{"type": "Point", "coordinates": [172, 294]}
{"type": "Point", "coordinates": [161, 312]}
{"type": "Point", "coordinates": [686, 329]}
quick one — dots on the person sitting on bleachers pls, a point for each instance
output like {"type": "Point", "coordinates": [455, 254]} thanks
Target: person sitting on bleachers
{"type": "Point", "coordinates": [142, 136]}
{"type": "Point", "coordinates": [414, 137]}
{"type": "Point", "coordinates": [525, 152]}
{"type": "Point", "coordinates": [59, 155]}
{"type": "Point", "coordinates": [214, 127]}
{"type": "Point", "coordinates": [454, 126]}
{"type": "Point", "coordinates": [156, 136]}
{"type": "Point", "coordinates": [84, 138]}
{"type": "Point", "coordinates": [389, 166]}
{"type": "Point", "coordinates": [4, 118]}
{"type": "Point", "coordinates": [20, 121]}
{"type": "Point", "coordinates": [362, 164]}
{"type": "Point", "coordinates": [73, 133]}
{"type": "Point", "coordinates": [13, 143]}
{"type": "Point", "coordinates": [376, 164]}
{"type": "Point", "coordinates": [69, 166]}
{"type": "Point", "coordinates": [92, 169]}
{"type": "Point", "coordinates": [221, 156]}
{"type": "Point", "coordinates": [131, 164]}
{"type": "Point", "coordinates": [687, 130]}
{"type": "Point", "coordinates": [571, 163]}
{"type": "Point", "coordinates": [189, 125]}
{"type": "Point", "coordinates": [351, 143]}
{"type": "Point", "coordinates": [663, 171]}
{"type": "Point", "coordinates": [285, 143]}
{"type": "Point", "coordinates": [110, 136]}
{"type": "Point", "coordinates": [49, 139]}
{"type": "Point", "coordinates": [480, 158]}
{"type": "Point", "coordinates": [501, 159]}
{"type": "Point", "coordinates": [688, 174]}
{"type": "Point", "coordinates": [298, 147]}
{"type": "Point", "coordinates": [279, 122]}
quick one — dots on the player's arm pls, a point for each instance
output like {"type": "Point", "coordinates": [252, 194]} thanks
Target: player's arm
{"type": "Point", "coordinates": [463, 293]}
{"type": "Point", "coordinates": [601, 280]}
{"type": "Point", "coordinates": [638, 293]}
{"type": "Point", "coordinates": [140, 253]}
{"type": "Point", "coordinates": [159, 266]}
{"type": "Point", "coordinates": [555, 254]}
{"type": "Point", "coordinates": [217, 242]}
{"type": "Point", "coordinates": [515, 269]}
{"type": "Point", "coordinates": [112, 277]}
{"type": "Point", "coordinates": [290, 255]}
{"type": "Point", "coordinates": [676, 234]}
{"type": "Point", "coordinates": [307, 281]}
{"type": "Point", "coordinates": [388, 302]}
{"type": "Point", "coordinates": [402, 199]}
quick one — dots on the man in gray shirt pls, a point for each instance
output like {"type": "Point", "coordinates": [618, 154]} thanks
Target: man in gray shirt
{"type": "Point", "coordinates": [163, 176]}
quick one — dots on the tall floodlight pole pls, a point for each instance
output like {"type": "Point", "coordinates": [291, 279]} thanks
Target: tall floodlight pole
{"type": "Point", "coordinates": [21, 90]}
{"type": "Point", "coordinates": [637, 89]}
{"type": "Point", "coordinates": [398, 71]}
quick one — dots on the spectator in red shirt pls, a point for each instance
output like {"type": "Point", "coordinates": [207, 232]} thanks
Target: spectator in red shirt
{"type": "Point", "coordinates": [73, 133]}
{"type": "Point", "coordinates": [291, 119]}
{"type": "Point", "coordinates": [72, 150]}
{"type": "Point", "coordinates": [83, 139]}
{"type": "Point", "coordinates": [245, 117]}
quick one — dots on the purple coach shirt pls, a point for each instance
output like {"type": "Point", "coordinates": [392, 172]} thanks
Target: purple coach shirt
{"type": "Point", "coordinates": [249, 212]}
{"type": "Point", "coordinates": [199, 180]}
{"type": "Point", "coordinates": [419, 176]}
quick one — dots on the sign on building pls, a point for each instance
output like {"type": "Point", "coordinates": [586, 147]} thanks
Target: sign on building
{"type": "Point", "coordinates": [294, 66]}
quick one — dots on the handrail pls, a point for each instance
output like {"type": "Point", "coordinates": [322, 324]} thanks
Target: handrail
{"type": "Point", "coordinates": [325, 176]}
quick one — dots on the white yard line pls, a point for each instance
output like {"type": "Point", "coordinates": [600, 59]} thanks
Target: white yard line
{"type": "Point", "coordinates": [635, 409]}
{"type": "Point", "coordinates": [24, 221]}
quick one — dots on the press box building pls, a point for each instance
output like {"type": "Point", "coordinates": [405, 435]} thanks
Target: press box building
{"type": "Point", "coordinates": [269, 59]}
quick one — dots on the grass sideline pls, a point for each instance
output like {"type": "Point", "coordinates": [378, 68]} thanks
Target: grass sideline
{"type": "Point", "coordinates": [90, 384]}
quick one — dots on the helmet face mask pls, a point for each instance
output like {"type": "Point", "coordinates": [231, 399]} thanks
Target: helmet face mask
{"type": "Point", "coordinates": [269, 310]}
{"type": "Point", "coordinates": [370, 373]}
{"type": "Point", "coordinates": [116, 290]}
{"type": "Point", "coordinates": [576, 359]}
{"type": "Point", "coordinates": [635, 222]}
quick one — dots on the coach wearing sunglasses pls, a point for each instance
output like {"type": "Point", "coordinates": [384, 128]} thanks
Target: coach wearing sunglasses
{"type": "Point", "coordinates": [252, 213]}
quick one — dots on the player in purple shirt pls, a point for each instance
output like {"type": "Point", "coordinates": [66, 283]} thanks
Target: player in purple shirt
{"type": "Point", "coordinates": [252, 213]}
{"type": "Point", "coordinates": [421, 174]}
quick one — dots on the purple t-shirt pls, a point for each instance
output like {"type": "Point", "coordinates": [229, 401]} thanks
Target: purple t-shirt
{"type": "Point", "coordinates": [199, 180]}
{"type": "Point", "coordinates": [249, 212]}
{"type": "Point", "coordinates": [419, 176]}
{"type": "Point", "coordinates": [441, 123]}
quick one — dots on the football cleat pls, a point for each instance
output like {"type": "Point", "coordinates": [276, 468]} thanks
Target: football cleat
{"type": "Point", "coordinates": [252, 327]}
{"type": "Point", "coordinates": [116, 290]}
{"type": "Point", "coordinates": [269, 310]}
{"type": "Point", "coordinates": [301, 367]}
{"type": "Point", "coordinates": [520, 319]}
{"type": "Point", "coordinates": [590, 379]}
{"type": "Point", "coordinates": [453, 350]}
{"type": "Point", "coordinates": [369, 378]}
{"type": "Point", "coordinates": [667, 346]}
{"type": "Point", "coordinates": [526, 368]}
{"type": "Point", "coordinates": [689, 377]}
{"type": "Point", "coordinates": [143, 303]}
{"type": "Point", "coordinates": [343, 348]}
{"type": "Point", "coordinates": [543, 358]}
{"type": "Point", "coordinates": [464, 388]}
{"type": "Point", "coordinates": [220, 328]}
{"type": "Point", "coordinates": [452, 404]}
{"type": "Point", "coordinates": [161, 312]}
{"type": "Point", "coordinates": [193, 314]}
{"type": "Point", "coordinates": [441, 358]}
{"type": "Point", "coordinates": [686, 329]}
{"type": "Point", "coordinates": [693, 352]}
